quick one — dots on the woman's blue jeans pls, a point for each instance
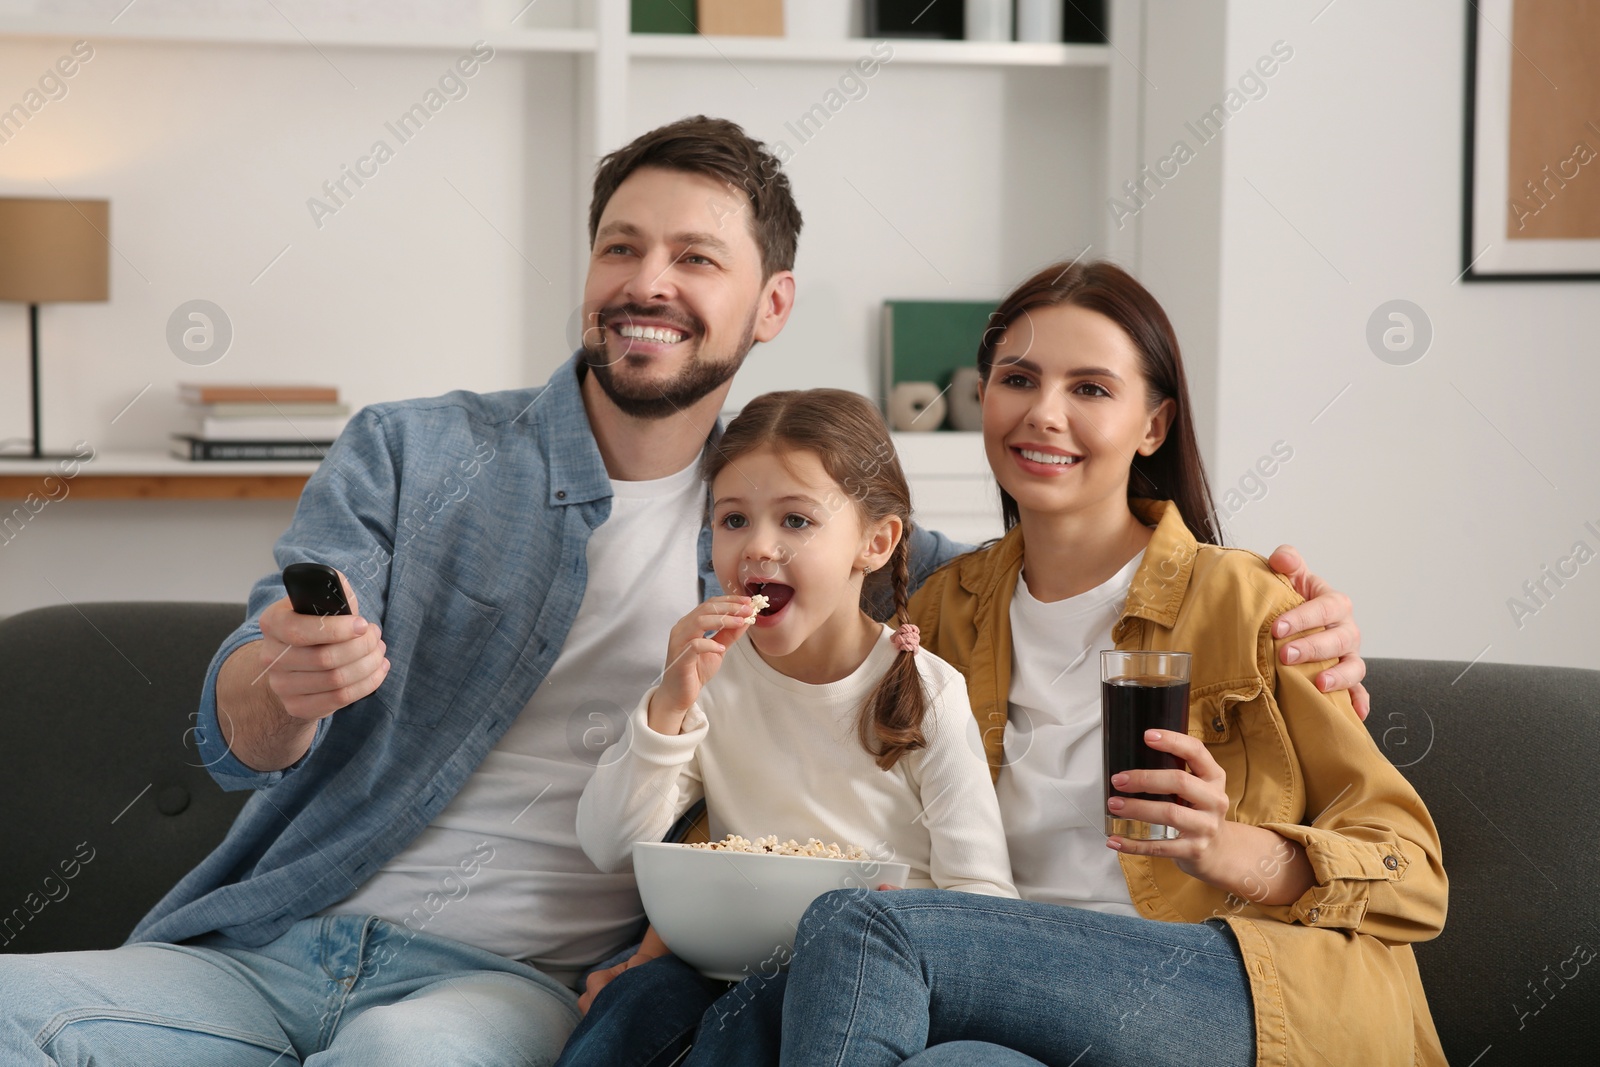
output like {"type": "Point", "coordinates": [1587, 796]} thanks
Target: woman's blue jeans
{"type": "Point", "coordinates": [879, 977]}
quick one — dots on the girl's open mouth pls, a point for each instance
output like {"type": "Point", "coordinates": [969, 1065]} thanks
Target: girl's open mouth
{"type": "Point", "coordinates": [778, 596]}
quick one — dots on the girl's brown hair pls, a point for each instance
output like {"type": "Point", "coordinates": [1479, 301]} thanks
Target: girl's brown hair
{"type": "Point", "coordinates": [848, 436]}
{"type": "Point", "coordinates": [1174, 471]}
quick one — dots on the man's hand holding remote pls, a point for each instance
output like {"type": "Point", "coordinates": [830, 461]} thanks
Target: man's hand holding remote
{"type": "Point", "coordinates": [271, 693]}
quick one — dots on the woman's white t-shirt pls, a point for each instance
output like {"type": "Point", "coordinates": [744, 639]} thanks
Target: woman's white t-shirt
{"type": "Point", "coordinates": [1052, 788]}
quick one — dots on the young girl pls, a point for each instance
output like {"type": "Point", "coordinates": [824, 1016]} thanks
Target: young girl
{"type": "Point", "coordinates": [1277, 927]}
{"type": "Point", "coordinates": [809, 719]}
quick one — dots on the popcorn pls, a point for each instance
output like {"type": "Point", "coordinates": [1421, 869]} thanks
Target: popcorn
{"type": "Point", "coordinates": [791, 847]}
{"type": "Point", "coordinates": [759, 604]}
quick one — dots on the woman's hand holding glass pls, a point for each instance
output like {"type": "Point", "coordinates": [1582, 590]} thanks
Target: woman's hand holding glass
{"type": "Point", "coordinates": [1250, 862]}
{"type": "Point", "coordinates": [693, 659]}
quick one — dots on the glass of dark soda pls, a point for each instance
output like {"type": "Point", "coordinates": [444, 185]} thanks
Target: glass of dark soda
{"type": "Point", "coordinates": [1141, 691]}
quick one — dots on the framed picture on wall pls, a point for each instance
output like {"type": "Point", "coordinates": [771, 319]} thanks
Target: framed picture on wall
{"type": "Point", "coordinates": [1532, 203]}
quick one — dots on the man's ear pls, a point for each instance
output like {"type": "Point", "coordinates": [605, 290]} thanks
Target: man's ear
{"type": "Point", "coordinates": [1156, 430]}
{"type": "Point", "coordinates": [877, 547]}
{"type": "Point", "coordinates": [777, 301]}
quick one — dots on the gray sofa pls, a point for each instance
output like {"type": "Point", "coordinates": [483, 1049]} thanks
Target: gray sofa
{"type": "Point", "coordinates": [106, 805]}
{"type": "Point", "coordinates": [102, 781]}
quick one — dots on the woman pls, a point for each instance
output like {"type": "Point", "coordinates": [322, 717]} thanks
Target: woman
{"type": "Point", "coordinates": [1276, 928]}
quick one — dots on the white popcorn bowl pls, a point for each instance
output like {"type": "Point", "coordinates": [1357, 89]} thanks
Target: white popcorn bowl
{"type": "Point", "coordinates": [731, 915]}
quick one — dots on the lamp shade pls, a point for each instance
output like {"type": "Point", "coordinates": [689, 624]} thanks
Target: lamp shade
{"type": "Point", "coordinates": [54, 250]}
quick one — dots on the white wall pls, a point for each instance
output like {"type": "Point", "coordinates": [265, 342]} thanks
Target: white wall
{"type": "Point", "coordinates": [897, 190]}
{"type": "Point", "coordinates": [208, 154]}
{"type": "Point", "coordinates": [1429, 492]}
{"type": "Point", "coordinates": [1176, 222]}
{"type": "Point", "coordinates": [1401, 493]}
{"type": "Point", "coordinates": [140, 550]}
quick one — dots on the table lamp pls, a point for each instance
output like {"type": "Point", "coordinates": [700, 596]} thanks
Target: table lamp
{"type": "Point", "coordinates": [52, 251]}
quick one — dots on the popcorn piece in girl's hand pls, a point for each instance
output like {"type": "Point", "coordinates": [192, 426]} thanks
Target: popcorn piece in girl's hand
{"type": "Point", "coordinates": [758, 604]}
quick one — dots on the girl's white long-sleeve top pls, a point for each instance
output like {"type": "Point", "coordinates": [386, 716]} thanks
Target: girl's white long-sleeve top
{"type": "Point", "coordinates": [772, 755]}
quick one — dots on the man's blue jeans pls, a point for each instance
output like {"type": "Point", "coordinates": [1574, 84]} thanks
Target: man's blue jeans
{"type": "Point", "coordinates": [339, 991]}
{"type": "Point", "coordinates": [880, 977]}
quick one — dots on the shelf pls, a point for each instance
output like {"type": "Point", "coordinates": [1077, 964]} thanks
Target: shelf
{"type": "Point", "coordinates": [155, 476]}
{"type": "Point", "coordinates": [202, 31]}
{"type": "Point", "coordinates": [952, 489]}
{"type": "Point", "coordinates": [691, 46]}
{"type": "Point", "coordinates": [942, 454]}
{"type": "Point", "coordinates": [696, 46]}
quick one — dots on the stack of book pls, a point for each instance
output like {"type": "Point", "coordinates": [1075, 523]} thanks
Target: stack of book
{"type": "Point", "coordinates": [259, 421]}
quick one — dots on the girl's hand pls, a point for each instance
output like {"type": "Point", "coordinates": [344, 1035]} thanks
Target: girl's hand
{"type": "Point", "coordinates": [598, 980]}
{"type": "Point", "coordinates": [651, 948]}
{"type": "Point", "coordinates": [1200, 815]}
{"type": "Point", "coordinates": [693, 659]}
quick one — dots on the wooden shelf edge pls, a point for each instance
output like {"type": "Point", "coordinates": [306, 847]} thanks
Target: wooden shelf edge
{"type": "Point", "coordinates": [86, 486]}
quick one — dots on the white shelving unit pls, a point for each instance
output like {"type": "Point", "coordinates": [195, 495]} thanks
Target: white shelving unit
{"type": "Point", "coordinates": [952, 489]}
{"type": "Point", "coordinates": [955, 53]}
{"type": "Point", "coordinates": [607, 54]}
{"type": "Point", "coordinates": [575, 41]}
{"type": "Point", "coordinates": [968, 165]}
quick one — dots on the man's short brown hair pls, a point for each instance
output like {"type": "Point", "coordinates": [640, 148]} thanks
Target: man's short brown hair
{"type": "Point", "coordinates": [719, 149]}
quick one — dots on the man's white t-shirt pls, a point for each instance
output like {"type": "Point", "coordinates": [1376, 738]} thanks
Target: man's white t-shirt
{"type": "Point", "coordinates": [500, 867]}
{"type": "Point", "coordinates": [1052, 788]}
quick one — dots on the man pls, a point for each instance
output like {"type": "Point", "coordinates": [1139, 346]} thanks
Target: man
{"type": "Point", "coordinates": [405, 886]}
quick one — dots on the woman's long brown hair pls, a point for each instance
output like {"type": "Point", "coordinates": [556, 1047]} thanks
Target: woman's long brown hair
{"type": "Point", "coordinates": [1174, 471]}
{"type": "Point", "coordinates": [848, 436]}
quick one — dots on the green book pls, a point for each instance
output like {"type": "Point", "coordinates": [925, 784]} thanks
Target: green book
{"type": "Point", "coordinates": [928, 340]}
{"type": "Point", "coordinates": [663, 16]}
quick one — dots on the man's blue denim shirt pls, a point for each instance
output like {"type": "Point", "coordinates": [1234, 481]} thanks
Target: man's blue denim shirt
{"type": "Point", "coordinates": [461, 523]}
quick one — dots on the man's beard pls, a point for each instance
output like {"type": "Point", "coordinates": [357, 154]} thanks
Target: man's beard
{"type": "Point", "coordinates": [698, 378]}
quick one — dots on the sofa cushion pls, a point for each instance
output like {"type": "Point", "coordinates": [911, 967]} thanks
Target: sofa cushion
{"type": "Point", "coordinates": [1502, 756]}
{"type": "Point", "coordinates": [106, 802]}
